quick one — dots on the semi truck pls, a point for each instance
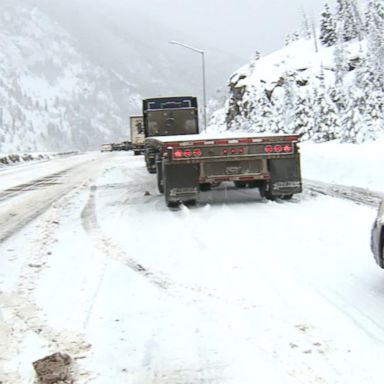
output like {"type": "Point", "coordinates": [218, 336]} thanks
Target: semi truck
{"type": "Point", "coordinates": [187, 162]}
{"type": "Point", "coordinates": [137, 134]}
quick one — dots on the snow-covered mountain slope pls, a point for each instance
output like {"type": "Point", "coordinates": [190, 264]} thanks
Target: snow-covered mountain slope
{"type": "Point", "coordinates": [52, 97]}
{"type": "Point", "coordinates": [319, 88]}
{"type": "Point", "coordinates": [116, 35]}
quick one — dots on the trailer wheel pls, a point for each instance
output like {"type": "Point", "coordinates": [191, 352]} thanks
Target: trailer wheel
{"type": "Point", "coordinates": [172, 204]}
{"type": "Point", "coordinates": [240, 184]}
{"type": "Point", "coordinates": [287, 197]}
{"type": "Point", "coordinates": [265, 192]}
{"type": "Point", "coordinates": [189, 203]}
{"type": "Point", "coordinates": [205, 187]}
{"type": "Point", "coordinates": [159, 172]}
{"type": "Point", "coordinates": [254, 184]}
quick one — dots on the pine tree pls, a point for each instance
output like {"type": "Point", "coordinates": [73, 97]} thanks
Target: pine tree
{"type": "Point", "coordinates": [353, 121]}
{"type": "Point", "coordinates": [375, 40]}
{"type": "Point", "coordinates": [327, 27]}
{"type": "Point", "coordinates": [303, 116]}
{"type": "Point", "coordinates": [340, 59]}
{"type": "Point", "coordinates": [261, 111]}
{"type": "Point", "coordinates": [291, 38]}
{"type": "Point", "coordinates": [306, 30]}
{"type": "Point", "coordinates": [289, 89]}
{"type": "Point", "coordinates": [347, 19]}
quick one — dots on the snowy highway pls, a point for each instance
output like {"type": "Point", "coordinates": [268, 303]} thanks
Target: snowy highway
{"type": "Point", "coordinates": [237, 290]}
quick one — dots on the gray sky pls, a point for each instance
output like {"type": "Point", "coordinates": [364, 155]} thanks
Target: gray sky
{"type": "Point", "coordinates": [237, 26]}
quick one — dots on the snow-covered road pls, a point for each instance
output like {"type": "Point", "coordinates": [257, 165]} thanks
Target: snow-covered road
{"type": "Point", "coordinates": [237, 290]}
{"type": "Point", "coordinates": [27, 190]}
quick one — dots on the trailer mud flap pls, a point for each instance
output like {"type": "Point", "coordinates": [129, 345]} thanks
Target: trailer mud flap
{"type": "Point", "coordinates": [181, 182]}
{"type": "Point", "coordinates": [285, 176]}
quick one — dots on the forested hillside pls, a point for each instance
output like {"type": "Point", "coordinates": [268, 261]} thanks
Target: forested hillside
{"type": "Point", "coordinates": [326, 84]}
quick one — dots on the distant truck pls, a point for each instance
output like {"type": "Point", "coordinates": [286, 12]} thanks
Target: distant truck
{"type": "Point", "coordinates": [106, 147]}
{"type": "Point", "coordinates": [187, 162]}
{"type": "Point", "coordinates": [137, 134]}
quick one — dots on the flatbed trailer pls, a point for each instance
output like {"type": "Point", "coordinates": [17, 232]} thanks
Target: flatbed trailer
{"type": "Point", "coordinates": [188, 164]}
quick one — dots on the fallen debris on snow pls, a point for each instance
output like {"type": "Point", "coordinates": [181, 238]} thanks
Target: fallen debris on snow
{"type": "Point", "coordinates": [54, 369]}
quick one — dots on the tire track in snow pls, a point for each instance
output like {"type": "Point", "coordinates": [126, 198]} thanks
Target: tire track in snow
{"type": "Point", "coordinates": [281, 347]}
{"type": "Point", "coordinates": [173, 288]}
{"type": "Point", "coordinates": [23, 315]}
{"type": "Point", "coordinates": [106, 245]}
{"type": "Point", "coordinates": [358, 195]}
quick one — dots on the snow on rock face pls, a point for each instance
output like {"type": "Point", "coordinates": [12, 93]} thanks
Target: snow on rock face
{"type": "Point", "coordinates": [51, 97]}
{"type": "Point", "coordinates": [321, 92]}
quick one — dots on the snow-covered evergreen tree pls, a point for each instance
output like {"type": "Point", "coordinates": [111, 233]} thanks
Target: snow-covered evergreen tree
{"type": "Point", "coordinates": [261, 112]}
{"type": "Point", "coordinates": [353, 120]}
{"type": "Point", "coordinates": [291, 38]}
{"type": "Point", "coordinates": [303, 116]}
{"type": "Point", "coordinates": [343, 100]}
{"type": "Point", "coordinates": [306, 28]}
{"type": "Point", "coordinates": [327, 27]}
{"type": "Point", "coordinates": [375, 40]}
{"type": "Point", "coordinates": [340, 58]}
{"type": "Point", "coordinates": [347, 19]}
{"type": "Point", "coordinates": [289, 89]}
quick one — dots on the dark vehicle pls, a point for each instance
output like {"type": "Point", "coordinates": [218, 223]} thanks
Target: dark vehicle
{"type": "Point", "coordinates": [167, 116]}
{"type": "Point", "coordinates": [106, 147]}
{"type": "Point", "coordinates": [170, 116]}
{"type": "Point", "coordinates": [126, 146]}
{"type": "Point", "coordinates": [187, 162]}
{"type": "Point", "coordinates": [377, 236]}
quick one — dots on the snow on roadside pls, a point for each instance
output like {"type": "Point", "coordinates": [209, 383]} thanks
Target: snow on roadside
{"type": "Point", "coordinates": [17, 158]}
{"type": "Point", "coordinates": [347, 164]}
{"type": "Point", "coordinates": [227, 308]}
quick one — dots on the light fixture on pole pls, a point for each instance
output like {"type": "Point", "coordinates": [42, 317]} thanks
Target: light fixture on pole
{"type": "Point", "coordinates": [203, 72]}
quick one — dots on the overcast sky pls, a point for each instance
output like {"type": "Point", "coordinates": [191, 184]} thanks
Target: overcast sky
{"type": "Point", "coordinates": [237, 26]}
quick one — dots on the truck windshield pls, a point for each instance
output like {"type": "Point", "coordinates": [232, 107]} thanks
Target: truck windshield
{"type": "Point", "coordinates": [165, 122]}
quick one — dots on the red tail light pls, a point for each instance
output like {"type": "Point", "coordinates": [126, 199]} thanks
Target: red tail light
{"type": "Point", "coordinates": [197, 152]}
{"type": "Point", "coordinates": [278, 148]}
{"type": "Point", "coordinates": [187, 153]}
{"type": "Point", "coordinates": [178, 154]}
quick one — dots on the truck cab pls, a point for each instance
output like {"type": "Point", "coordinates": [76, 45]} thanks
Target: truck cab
{"type": "Point", "coordinates": [168, 116]}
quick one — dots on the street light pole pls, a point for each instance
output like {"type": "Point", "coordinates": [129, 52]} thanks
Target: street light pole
{"type": "Point", "coordinates": [203, 73]}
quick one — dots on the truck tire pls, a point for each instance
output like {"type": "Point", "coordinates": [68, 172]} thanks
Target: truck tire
{"type": "Point", "coordinates": [171, 204]}
{"type": "Point", "coordinates": [265, 192]}
{"type": "Point", "coordinates": [205, 187]}
{"type": "Point", "coordinates": [240, 184]}
{"type": "Point", "coordinates": [159, 172]}
{"type": "Point", "coordinates": [254, 184]}
{"type": "Point", "coordinates": [191, 202]}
